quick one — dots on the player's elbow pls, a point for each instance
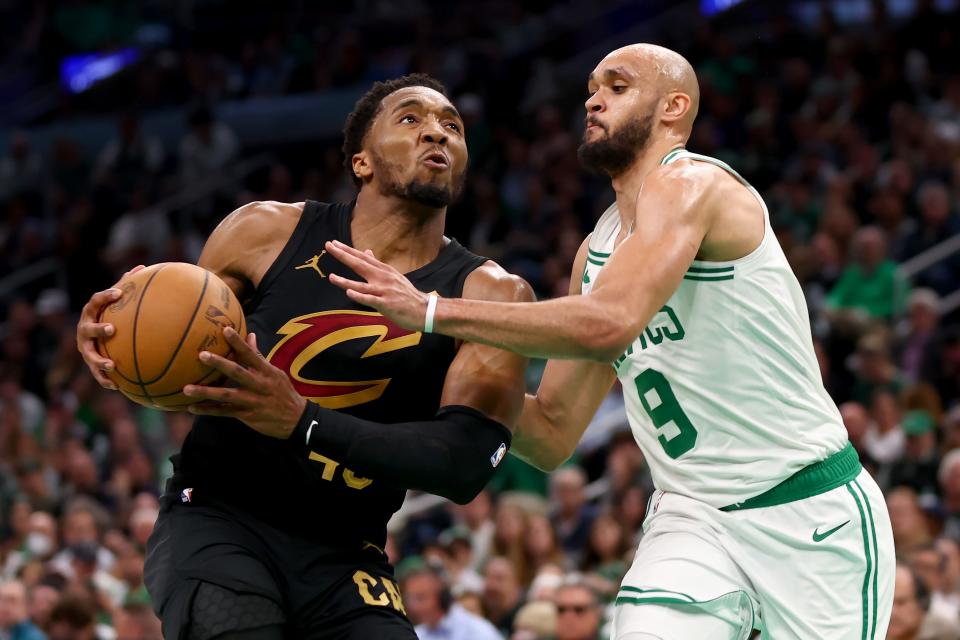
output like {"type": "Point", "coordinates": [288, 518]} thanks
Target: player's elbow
{"type": "Point", "coordinates": [465, 494]}
{"type": "Point", "coordinates": [467, 485]}
{"type": "Point", "coordinates": [606, 339]}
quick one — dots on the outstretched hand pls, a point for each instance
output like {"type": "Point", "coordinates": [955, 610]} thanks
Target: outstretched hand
{"type": "Point", "coordinates": [386, 289]}
{"type": "Point", "coordinates": [263, 396]}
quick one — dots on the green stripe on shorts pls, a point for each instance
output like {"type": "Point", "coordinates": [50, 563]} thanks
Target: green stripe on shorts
{"type": "Point", "coordinates": [876, 558]}
{"type": "Point", "coordinates": [866, 551]}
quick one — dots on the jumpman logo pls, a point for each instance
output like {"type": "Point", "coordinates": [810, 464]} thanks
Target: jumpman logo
{"type": "Point", "coordinates": [313, 263]}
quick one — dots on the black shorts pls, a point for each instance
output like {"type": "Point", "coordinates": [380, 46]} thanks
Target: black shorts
{"type": "Point", "coordinates": [321, 593]}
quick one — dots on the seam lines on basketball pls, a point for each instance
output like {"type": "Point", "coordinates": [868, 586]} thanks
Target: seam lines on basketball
{"type": "Point", "coordinates": [136, 317]}
{"type": "Point", "coordinates": [174, 393]}
{"type": "Point", "coordinates": [186, 331]}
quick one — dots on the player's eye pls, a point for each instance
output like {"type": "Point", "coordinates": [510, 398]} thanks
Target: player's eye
{"type": "Point", "coordinates": [454, 126]}
{"type": "Point", "coordinates": [619, 88]}
{"type": "Point", "coordinates": [408, 119]}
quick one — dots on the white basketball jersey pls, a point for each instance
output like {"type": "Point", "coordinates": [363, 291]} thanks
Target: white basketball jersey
{"type": "Point", "coordinates": [723, 390]}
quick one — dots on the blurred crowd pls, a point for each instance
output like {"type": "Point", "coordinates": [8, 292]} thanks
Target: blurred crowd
{"type": "Point", "coordinates": [851, 134]}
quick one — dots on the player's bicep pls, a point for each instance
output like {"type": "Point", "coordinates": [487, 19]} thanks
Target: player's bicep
{"type": "Point", "coordinates": [219, 254]}
{"type": "Point", "coordinates": [485, 378]}
{"type": "Point", "coordinates": [247, 241]}
{"type": "Point", "coordinates": [672, 219]}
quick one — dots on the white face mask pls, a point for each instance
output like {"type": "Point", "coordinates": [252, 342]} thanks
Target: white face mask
{"type": "Point", "coordinates": [39, 544]}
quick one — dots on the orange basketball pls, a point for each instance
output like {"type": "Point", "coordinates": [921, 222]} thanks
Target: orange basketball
{"type": "Point", "coordinates": [169, 313]}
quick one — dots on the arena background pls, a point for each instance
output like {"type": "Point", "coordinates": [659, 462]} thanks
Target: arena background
{"type": "Point", "coordinates": [128, 129]}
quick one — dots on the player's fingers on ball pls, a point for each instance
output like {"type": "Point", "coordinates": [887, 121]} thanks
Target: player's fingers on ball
{"type": "Point", "coordinates": [210, 409]}
{"type": "Point", "coordinates": [246, 355]}
{"type": "Point", "coordinates": [226, 395]}
{"type": "Point", "coordinates": [102, 379]}
{"type": "Point", "coordinates": [101, 299]}
{"type": "Point", "coordinates": [227, 367]}
{"type": "Point", "coordinates": [134, 270]}
{"type": "Point", "coordinates": [200, 393]}
{"type": "Point", "coordinates": [90, 355]}
{"type": "Point", "coordinates": [91, 330]}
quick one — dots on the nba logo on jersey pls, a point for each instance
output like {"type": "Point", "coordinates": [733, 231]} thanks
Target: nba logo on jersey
{"type": "Point", "coordinates": [498, 454]}
{"type": "Point", "coordinates": [186, 495]}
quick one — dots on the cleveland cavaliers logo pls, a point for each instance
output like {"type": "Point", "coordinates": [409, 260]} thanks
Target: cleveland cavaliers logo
{"type": "Point", "coordinates": [306, 337]}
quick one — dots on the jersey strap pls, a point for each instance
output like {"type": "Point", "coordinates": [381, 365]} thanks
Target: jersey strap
{"type": "Point", "coordinates": [819, 477]}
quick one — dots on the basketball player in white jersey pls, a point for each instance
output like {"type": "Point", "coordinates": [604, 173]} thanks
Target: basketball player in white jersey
{"type": "Point", "coordinates": [763, 517]}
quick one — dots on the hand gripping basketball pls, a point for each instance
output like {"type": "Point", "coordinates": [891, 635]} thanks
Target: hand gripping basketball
{"type": "Point", "coordinates": [262, 396]}
{"type": "Point", "coordinates": [89, 330]}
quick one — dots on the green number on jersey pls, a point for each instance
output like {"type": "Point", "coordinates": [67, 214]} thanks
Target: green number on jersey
{"type": "Point", "coordinates": [666, 411]}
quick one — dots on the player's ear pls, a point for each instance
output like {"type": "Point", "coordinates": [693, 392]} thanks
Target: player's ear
{"type": "Point", "coordinates": [677, 106]}
{"type": "Point", "coordinates": [362, 167]}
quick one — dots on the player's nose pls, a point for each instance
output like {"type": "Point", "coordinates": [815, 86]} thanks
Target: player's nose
{"type": "Point", "coordinates": [594, 104]}
{"type": "Point", "coordinates": [433, 133]}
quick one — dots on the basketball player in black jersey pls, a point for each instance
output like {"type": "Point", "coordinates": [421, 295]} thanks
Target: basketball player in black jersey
{"type": "Point", "coordinates": [277, 530]}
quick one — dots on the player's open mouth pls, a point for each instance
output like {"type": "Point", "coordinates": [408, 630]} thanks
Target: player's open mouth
{"type": "Point", "coordinates": [436, 160]}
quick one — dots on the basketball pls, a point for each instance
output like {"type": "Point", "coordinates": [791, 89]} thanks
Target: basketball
{"type": "Point", "coordinates": [168, 313]}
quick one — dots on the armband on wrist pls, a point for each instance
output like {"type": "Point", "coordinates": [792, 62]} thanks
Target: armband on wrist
{"type": "Point", "coordinates": [431, 311]}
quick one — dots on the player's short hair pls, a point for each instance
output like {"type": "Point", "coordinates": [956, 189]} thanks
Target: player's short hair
{"type": "Point", "coordinates": [367, 107]}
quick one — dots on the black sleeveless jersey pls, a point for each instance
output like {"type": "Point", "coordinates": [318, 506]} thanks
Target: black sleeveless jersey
{"type": "Point", "coordinates": [342, 356]}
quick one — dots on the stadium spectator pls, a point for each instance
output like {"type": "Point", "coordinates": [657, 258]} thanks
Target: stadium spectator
{"type": "Point", "coordinates": [573, 516]}
{"type": "Point", "coordinates": [917, 345]}
{"type": "Point", "coordinates": [918, 467]}
{"type": "Point", "coordinates": [502, 593]}
{"type": "Point", "coordinates": [870, 285]}
{"type": "Point", "coordinates": [535, 621]}
{"type": "Point", "coordinates": [430, 605]}
{"type": "Point", "coordinates": [14, 621]}
{"type": "Point", "coordinates": [540, 544]}
{"type": "Point", "coordinates": [910, 526]}
{"type": "Point", "coordinates": [73, 618]}
{"type": "Point", "coordinates": [578, 612]}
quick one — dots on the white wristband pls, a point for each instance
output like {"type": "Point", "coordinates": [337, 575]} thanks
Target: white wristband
{"type": "Point", "coordinates": [431, 310]}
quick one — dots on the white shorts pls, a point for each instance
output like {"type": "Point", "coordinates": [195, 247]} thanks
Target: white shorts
{"type": "Point", "coordinates": [818, 568]}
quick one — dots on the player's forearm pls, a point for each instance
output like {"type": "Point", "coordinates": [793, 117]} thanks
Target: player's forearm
{"type": "Point", "coordinates": [452, 455]}
{"type": "Point", "coordinates": [537, 440]}
{"type": "Point", "coordinates": [565, 328]}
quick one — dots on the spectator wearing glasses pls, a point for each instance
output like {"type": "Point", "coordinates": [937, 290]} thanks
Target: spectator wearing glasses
{"type": "Point", "coordinates": [578, 611]}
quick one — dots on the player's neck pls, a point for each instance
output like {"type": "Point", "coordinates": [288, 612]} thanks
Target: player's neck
{"type": "Point", "coordinates": [404, 234]}
{"type": "Point", "coordinates": [628, 184]}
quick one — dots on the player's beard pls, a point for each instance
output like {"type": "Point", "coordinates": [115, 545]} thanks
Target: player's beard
{"type": "Point", "coordinates": [420, 191]}
{"type": "Point", "coordinates": [613, 153]}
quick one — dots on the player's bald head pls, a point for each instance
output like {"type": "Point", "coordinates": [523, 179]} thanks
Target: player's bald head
{"type": "Point", "coordinates": [666, 70]}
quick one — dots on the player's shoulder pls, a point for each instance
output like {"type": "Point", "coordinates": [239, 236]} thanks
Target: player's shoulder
{"type": "Point", "coordinates": [490, 281]}
{"type": "Point", "coordinates": [267, 211]}
{"type": "Point", "coordinates": [688, 185]}
{"type": "Point", "coordinates": [259, 219]}
{"type": "Point", "coordinates": [686, 173]}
